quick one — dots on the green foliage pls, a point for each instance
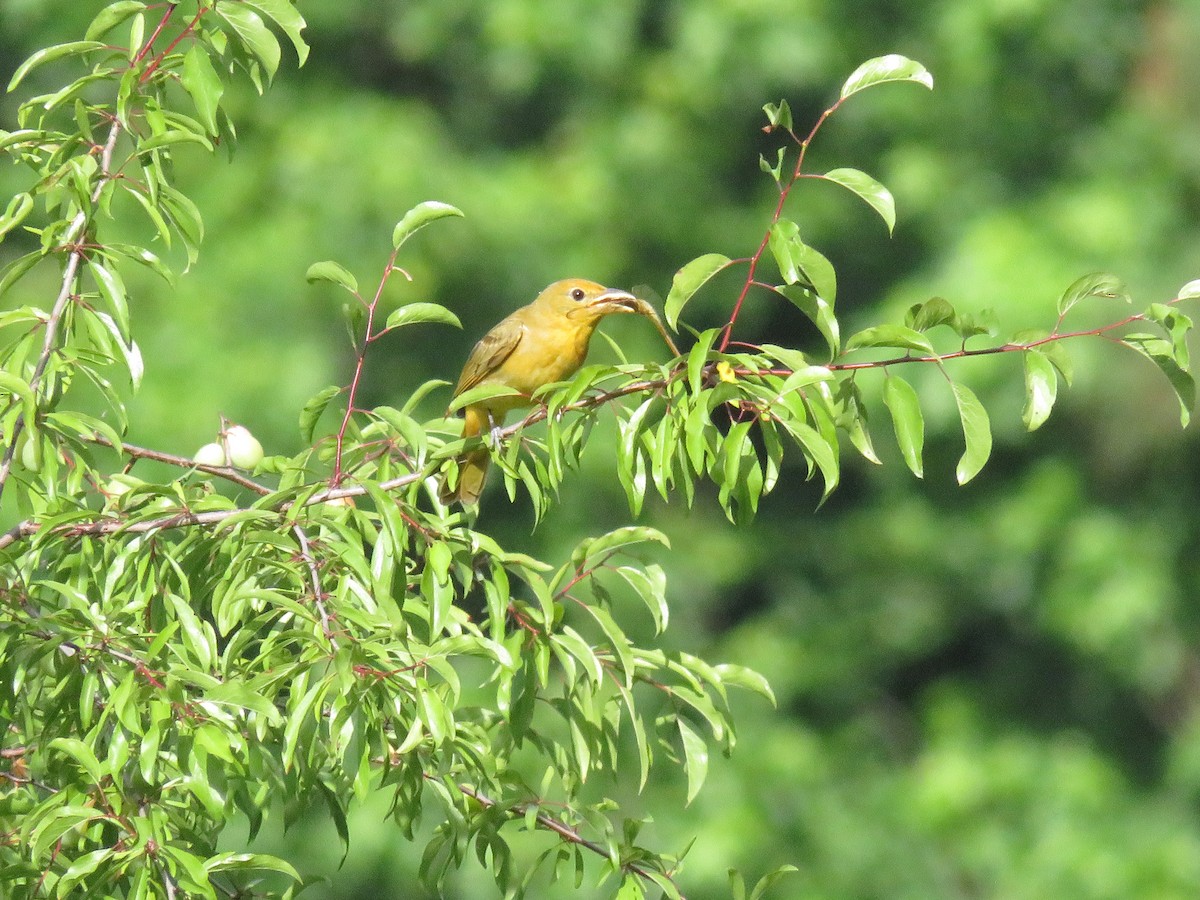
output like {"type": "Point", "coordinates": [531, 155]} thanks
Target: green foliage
{"type": "Point", "coordinates": [180, 648]}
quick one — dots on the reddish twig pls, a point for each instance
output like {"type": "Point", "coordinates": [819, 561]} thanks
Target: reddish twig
{"type": "Point", "coordinates": [315, 575]}
{"type": "Point", "coordinates": [784, 191]}
{"type": "Point", "coordinates": [564, 831]}
{"type": "Point", "coordinates": [369, 336]}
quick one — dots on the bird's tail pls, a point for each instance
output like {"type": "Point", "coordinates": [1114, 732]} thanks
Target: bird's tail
{"type": "Point", "coordinates": [472, 466]}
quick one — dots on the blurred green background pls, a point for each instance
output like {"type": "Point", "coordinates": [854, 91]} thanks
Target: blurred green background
{"type": "Point", "coordinates": [991, 691]}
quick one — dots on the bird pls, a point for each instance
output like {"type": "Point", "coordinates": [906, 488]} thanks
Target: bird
{"type": "Point", "coordinates": [536, 345]}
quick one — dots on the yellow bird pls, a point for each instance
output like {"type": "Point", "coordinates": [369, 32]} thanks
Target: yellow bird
{"type": "Point", "coordinates": [541, 343]}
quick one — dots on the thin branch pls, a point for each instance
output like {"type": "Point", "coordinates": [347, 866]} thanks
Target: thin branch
{"type": "Point", "coordinates": [184, 462]}
{"type": "Point", "coordinates": [315, 575]}
{"type": "Point", "coordinates": [565, 831]}
{"type": "Point", "coordinates": [784, 191]}
{"type": "Point", "coordinates": [186, 518]}
{"type": "Point", "coordinates": [352, 393]}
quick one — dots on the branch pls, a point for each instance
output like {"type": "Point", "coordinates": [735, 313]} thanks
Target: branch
{"type": "Point", "coordinates": [186, 518]}
{"type": "Point", "coordinates": [183, 462]}
{"type": "Point", "coordinates": [315, 574]}
{"type": "Point", "coordinates": [784, 191]}
{"type": "Point", "coordinates": [565, 831]}
{"type": "Point", "coordinates": [368, 337]}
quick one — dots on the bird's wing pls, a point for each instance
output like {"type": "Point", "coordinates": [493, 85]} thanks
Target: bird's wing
{"type": "Point", "coordinates": [492, 350]}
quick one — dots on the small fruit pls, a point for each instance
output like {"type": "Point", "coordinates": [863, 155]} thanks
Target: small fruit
{"type": "Point", "coordinates": [30, 453]}
{"type": "Point", "coordinates": [245, 451]}
{"type": "Point", "coordinates": [210, 455]}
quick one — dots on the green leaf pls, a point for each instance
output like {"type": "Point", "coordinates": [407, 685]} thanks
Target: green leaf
{"type": "Point", "coordinates": [875, 194]}
{"type": "Point", "coordinates": [255, 36]}
{"type": "Point", "coordinates": [479, 393]}
{"type": "Point", "coordinates": [776, 170]}
{"type": "Point", "coordinates": [799, 262]}
{"type": "Point", "coordinates": [82, 754]}
{"type": "Point", "coordinates": [737, 885]}
{"type": "Point", "coordinates": [1041, 388]}
{"type": "Point", "coordinates": [152, 212]}
{"type": "Point", "coordinates": [695, 758]}
{"type": "Point", "coordinates": [1162, 353]}
{"type": "Point", "coordinates": [85, 865]}
{"type": "Point", "coordinates": [1099, 284]}
{"type": "Point", "coordinates": [818, 449]}
{"type": "Point", "coordinates": [590, 549]}
{"type": "Point", "coordinates": [15, 270]}
{"type": "Point", "coordinates": [851, 416]}
{"type": "Point", "coordinates": [420, 216]}
{"type": "Point", "coordinates": [173, 136]}
{"type": "Point", "coordinates": [765, 883]}
{"type": "Point", "coordinates": [907, 421]}
{"type": "Point", "coordinates": [698, 358]}
{"type": "Point", "coordinates": [133, 356]}
{"type": "Point", "coordinates": [313, 410]}
{"type": "Point", "coordinates": [18, 208]}
{"type": "Point", "coordinates": [882, 69]}
{"type": "Point", "coordinates": [742, 677]}
{"type": "Point", "coordinates": [112, 288]}
{"type": "Point", "coordinates": [1190, 291]}
{"type": "Point", "coordinates": [899, 336]}
{"type": "Point", "coordinates": [112, 16]}
{"type": "Point", "coordinates": [226, 862]}
{"type": "Point", "coordinates": [20, 388]}
{"type": "Point", "coordinates": [49, 54]}
{"type": "Point", "coordinates": [650, 586]}
{"type": "Point", "coordinates": [415, 313]}
{"type": "Point", "coordinates": [819, 311]}
{"type": "Point", "coordinates": [185, 216]}
{"type": "Point", "coordinates": [334, 273]}
{"type": "Point", "coordinates": [203, 85]}
{"type": "Point", "coordinates": [779, 114]}
{"type": "Point", "coordinates": [287, 17]}
{"type": "Point", "coordinates": [1177, 325]}
{"type": "Point", "coordinates": [977, 432]}
{"type": "Point", "coordinates": [933, 312]}
{"type": "Point", "coordinates": [688, 280]}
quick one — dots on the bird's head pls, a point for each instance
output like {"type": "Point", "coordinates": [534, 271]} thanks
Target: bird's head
{"type": "Point", "coordinates": [577, 298]}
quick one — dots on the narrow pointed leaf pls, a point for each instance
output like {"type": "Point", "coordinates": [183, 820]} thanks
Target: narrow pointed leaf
{"type": "Point", "coordinates": [1041, 388]}
{"type": "Point", "coordinates": [253, 33]}
{"type": "Point", "coordinates": [1161, 352]}
{"type": "Point", "coordinates": [898, 336]}
{"type": "Point", "coordinates": [688, 280]}
{"type": "Point", "coordinates": [203, 85]}
{"type": "Point", "coordinates": [420, 216]}
{"type": "Point", "coordinates": [49, 54]}
{"type": "Point", "coordinates": [415, 313]}
{"type": "Point", "coordinates": [334, 273]}
{"type": "Point", "coordinates": [112, 16]}
{"type": "Point", "coordinates": [1099, 284]}
{"type": "Point", "coordinates": [882, 69]}
{"type": "Point", "coordinates": [907, 421]}
{"type": "Point", "coordinates": [695, 758]}
{"type": "Point", "coordinates": [977, 432]}
{"type": "Point", "coordinates": [871, 191]}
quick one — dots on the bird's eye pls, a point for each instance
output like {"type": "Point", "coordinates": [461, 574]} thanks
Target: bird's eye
{"type": "Point", "coordinates": [578, 294]}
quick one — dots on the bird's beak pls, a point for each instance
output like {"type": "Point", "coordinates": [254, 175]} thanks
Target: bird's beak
{"type": "Point", "coordinates": [614, 301]}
